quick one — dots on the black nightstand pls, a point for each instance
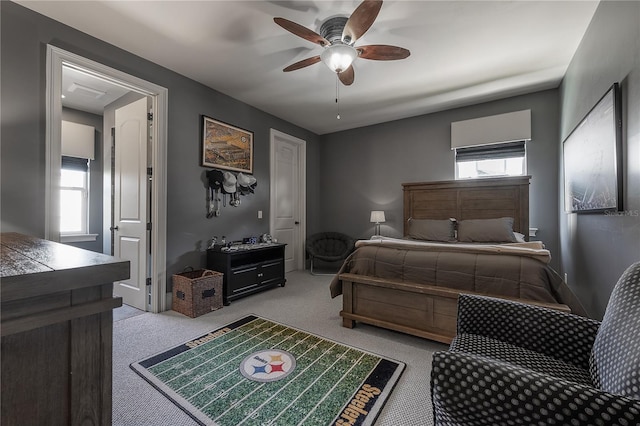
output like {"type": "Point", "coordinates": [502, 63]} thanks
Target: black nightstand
{"type": "Point", "coordinates": [248, 268]}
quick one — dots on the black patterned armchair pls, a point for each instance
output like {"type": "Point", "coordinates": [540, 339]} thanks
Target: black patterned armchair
{"type": "Point", "coordinates": [329, 247]}
{"type": "Point", "coordinates": [518, 364]}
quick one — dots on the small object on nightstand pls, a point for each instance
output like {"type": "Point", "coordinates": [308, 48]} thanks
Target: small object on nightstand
{"type": "Point", "coordinates": [265, 238]}
{"type": "Point", "coordinates": [213, 242]}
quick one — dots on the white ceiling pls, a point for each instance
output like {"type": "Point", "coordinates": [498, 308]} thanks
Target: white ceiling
{"type": "Point", "coordinates": [88, 93]}
{"type": "Point", "coordinates": [462, 52]}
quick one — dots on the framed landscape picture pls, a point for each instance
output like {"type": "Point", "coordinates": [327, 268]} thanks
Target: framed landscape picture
{"type": "Point", "coordinates": [592, 156]}
{"type": "Point", "coordinates": [226, 147]}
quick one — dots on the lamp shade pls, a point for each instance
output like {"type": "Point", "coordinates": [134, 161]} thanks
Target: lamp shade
{"type": "Point", "coordinates": [339, 57]}
{"type": "Point", "coordinates": [377, 216]}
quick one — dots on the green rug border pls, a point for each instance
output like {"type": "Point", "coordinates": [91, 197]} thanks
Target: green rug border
{"type": "Point", "coordinates": [202, 419]}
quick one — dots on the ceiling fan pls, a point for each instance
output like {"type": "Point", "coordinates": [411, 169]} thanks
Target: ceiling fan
{"type": "Point", "coordinates": [338, 36]}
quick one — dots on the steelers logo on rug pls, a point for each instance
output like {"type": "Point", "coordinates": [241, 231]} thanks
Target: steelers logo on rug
{"type": "Point", "coordinates": [268, 365]}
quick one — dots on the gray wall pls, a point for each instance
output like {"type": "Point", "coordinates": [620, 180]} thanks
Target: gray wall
{"type": "Point", "coordinates": [24, 36]}
{"type": "Point", "coordinates": [95, 176]}
{"type": "Point", "coordinates": [363, 169]}
{"type": "Point", "coordinates": [596, 248]}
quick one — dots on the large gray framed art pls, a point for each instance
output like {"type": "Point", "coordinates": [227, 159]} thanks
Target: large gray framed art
{"type": "Point", "coordinates": [593, 158]}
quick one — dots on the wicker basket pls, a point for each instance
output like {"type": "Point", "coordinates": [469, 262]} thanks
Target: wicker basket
{"type": "Point", "coordinates": [197, 292]}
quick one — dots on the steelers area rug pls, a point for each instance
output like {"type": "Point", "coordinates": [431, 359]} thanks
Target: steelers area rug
{"type": "Point", "coordinates": [259, 372]}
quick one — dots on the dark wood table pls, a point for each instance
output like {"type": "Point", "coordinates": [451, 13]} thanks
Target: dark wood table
{"type": "Point", "coordinates": [56, 327]}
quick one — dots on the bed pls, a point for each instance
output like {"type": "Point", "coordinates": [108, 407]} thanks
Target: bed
{"type": "Point", "coordinates": [412, 284]}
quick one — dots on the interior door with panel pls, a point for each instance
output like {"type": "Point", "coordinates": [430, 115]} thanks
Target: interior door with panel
{"type": "Point", "coordinates": [288, 196]}
{"type": "Point", "coordinates": [130, 199]}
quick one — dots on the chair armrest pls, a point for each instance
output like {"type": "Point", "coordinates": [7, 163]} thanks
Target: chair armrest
{"type": "Point", "coordinates": [557, 334]}
{"type": "Point", "coordinates": [473, 390]}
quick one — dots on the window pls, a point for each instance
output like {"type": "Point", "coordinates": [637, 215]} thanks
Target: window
{"type": "Point", "coordinates": [505, 159]}
{"type": "Point", "coordinates": [74, 196]}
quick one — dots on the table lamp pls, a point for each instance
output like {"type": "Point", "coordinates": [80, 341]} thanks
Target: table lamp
{"type": "Point", "coordinates": [377, 217]}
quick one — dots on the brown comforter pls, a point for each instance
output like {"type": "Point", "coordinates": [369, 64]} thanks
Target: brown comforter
{"type": "Point", "coordinates": [491, 270]}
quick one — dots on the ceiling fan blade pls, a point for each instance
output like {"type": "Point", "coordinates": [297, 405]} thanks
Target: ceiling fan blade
{"type": "Point", "coordinates": [303, 63]}
{"type": "Point", "coordinates": [301, 31]}
{"type": "Point", "coordinates": [361, 20]}
{"type": "Point", "coordinates": [382, 52]}
{"type": "Point", "coordinates": [347, 76]}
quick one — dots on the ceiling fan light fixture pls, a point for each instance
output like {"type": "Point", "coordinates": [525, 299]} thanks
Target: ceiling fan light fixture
{"type": "Point", "coordinates": [338, 57]}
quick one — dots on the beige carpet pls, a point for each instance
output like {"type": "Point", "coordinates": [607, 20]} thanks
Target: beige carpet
{"type": "Point", "coordinates": [303, 303]}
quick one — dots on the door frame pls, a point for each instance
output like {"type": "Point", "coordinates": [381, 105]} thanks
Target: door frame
{"type": "Point", "coordinates": [56, 58]}
{"type": "Point", "coordinates": [302, 189]}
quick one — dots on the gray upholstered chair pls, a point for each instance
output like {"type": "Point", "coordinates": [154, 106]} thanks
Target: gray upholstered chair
{"type": "Point", "coordinates": [329, 247]}
{"type": "Point", "coordinates": [517, 364]}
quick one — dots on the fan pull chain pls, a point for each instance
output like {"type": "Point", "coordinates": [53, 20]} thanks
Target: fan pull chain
{"type": "Point", "coordinates": [337, 96]}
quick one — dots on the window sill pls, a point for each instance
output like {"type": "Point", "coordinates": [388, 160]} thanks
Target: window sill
{"type": "Point", "coordinates": [77, 238]}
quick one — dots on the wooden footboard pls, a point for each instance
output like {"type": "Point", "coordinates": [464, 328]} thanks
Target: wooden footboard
{"type": "Point", "coordinates": [416, 309]}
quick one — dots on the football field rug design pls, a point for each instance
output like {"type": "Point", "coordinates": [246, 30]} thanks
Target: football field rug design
{"type": "Point", "coordinates": [259, 372]}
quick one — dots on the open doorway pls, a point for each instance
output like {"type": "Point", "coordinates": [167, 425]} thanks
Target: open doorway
{"type": "Point", "coordinates": [150, 267]}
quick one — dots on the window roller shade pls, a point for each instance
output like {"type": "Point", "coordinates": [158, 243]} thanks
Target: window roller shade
{"type": "Point", "coordinates": [75, 163]}
{"type": "Point", "coordinates": [497, 151]}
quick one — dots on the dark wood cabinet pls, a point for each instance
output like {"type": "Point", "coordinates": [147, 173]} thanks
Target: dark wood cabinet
{"type": "Point", "coordinates": [57, 324]}
{"type": "Point", "coordinates": [248, 269]}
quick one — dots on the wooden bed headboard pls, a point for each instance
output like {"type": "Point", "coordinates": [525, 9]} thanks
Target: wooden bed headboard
{"type": "Point", "coordinates": [469, 199]}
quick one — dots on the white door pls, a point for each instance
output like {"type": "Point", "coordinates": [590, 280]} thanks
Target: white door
{"type": "Point", "coordinates": [288, 196]}
{"type": "Point", "coordinates": [130, 200]}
